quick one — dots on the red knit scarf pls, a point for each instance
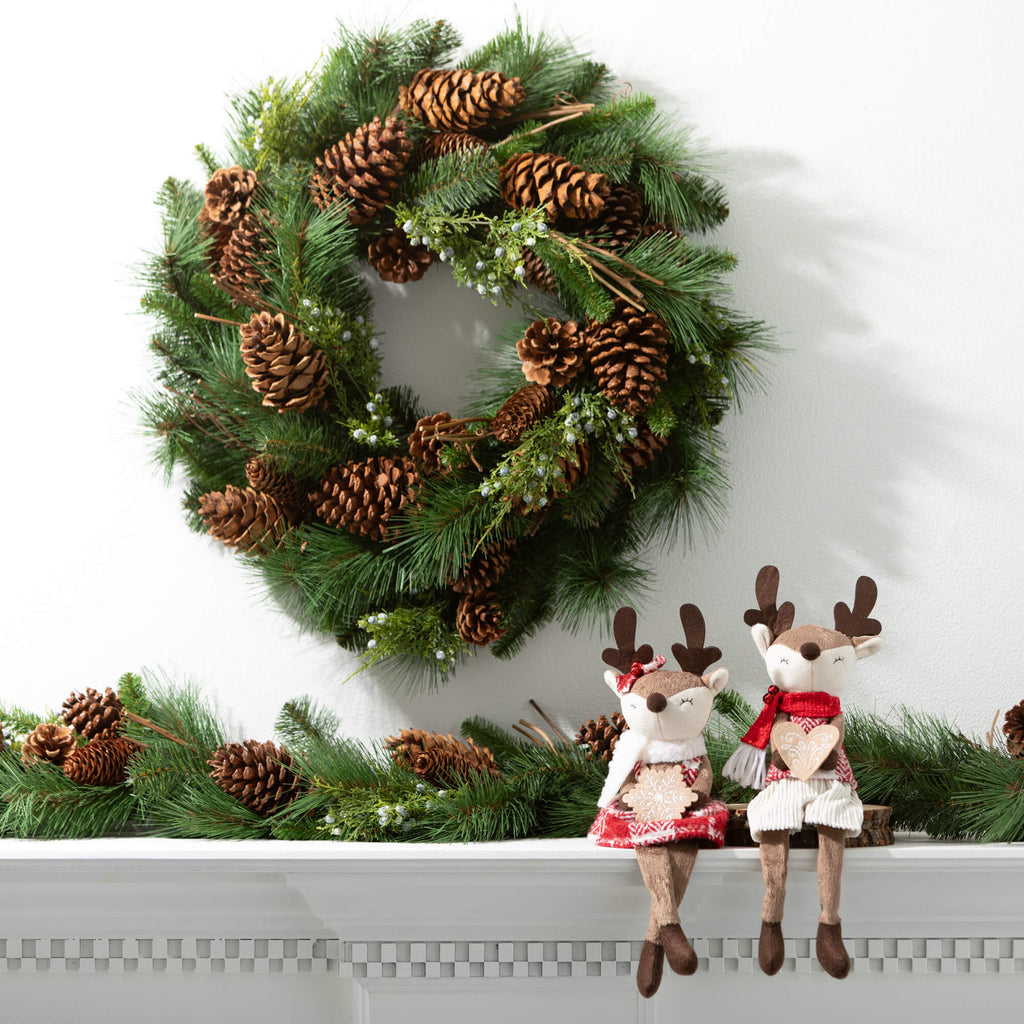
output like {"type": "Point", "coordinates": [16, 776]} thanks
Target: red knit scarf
{"type": "Point", "coordinates": [812, 704]}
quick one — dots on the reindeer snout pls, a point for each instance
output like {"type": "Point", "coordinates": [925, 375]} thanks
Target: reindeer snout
{"type": "Point", "coordinates": [810, 651]}
{"type": "Point", "coordinates": [657, 702]}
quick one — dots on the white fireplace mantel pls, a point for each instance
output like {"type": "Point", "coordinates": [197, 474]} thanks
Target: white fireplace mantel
{"type": "Point", "coordinates": [373, 932]}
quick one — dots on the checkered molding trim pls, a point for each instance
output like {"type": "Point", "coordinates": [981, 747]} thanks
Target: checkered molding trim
{"type": "Point", "coordinates": [570, 959]}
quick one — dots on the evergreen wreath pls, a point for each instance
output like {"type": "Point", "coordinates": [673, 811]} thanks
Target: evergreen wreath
{"type": "Point", "coordinates": [408, 533]}
{"type": "Point", "coordinates": [154, 759]}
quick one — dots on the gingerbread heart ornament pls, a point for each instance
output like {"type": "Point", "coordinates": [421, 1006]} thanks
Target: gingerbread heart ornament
{"type": "Point", "coordinates": [802, 751]}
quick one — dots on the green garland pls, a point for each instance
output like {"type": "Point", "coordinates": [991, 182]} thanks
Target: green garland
{"type": "Point", "coordinates": [936, 779]}
{"type": "Point", "coordinates": [564, 511]}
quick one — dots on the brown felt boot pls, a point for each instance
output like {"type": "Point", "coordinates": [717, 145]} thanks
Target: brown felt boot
{"type": "Point", "coordinates": [648, 971]}
{"type": "Point", "coordinates": [678, 951]}
{"type": "Point", "coordinates": [830, 951]}
{"type": "Point", "coordinates": [771, 949]}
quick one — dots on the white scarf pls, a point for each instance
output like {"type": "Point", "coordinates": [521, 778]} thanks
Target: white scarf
{"type": "Point", "coordinates": [632, 747]}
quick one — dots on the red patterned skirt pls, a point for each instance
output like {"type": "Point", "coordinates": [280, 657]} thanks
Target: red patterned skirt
{"type": "Point", "coordinates": [616, 826]}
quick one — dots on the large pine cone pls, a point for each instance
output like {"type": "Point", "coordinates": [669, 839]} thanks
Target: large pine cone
{"type": "Point", "coordinates": [552, 352]}
{"type": "Point", "coordinates": [239, 273]}
{"type": "Point", "coordinates": [440, 760]}
{"type": "Point", "coordinates": [522, 410]}
{"type": "Point", "coordinates": [548, 180]}
{"type": "Point", "coordinates": [365, 167]}
{"type": "Point", "coordinates": [537, 272]}
{"type": "Point", "coordinates": [478, 619]}
{"type": "Point", "coordinates": [619, 223]}
{"type": "Point", "coordinates": [1013, 729]}
{"type": "Point", "coordinates": [361, 496]}
{"type": "Point", "coordinates": [289, 491]}
{"type": "Point", "coordinates": [227, 197]}
{"type": "Point", "coordinates": [395, 259]}
{"type": "Point", "coordinates": [439, 144]}
{"type": "Point", "coordinates": [96, 716]}
{"type": "Point", "coordinates": [485, 568]}
{"type": "Point", "coordinates": [628, 353]}
{"type": "Point", "coordinates": [639, 453]}
{"type": "Point", "coordinates": [602, 735]}
{"type": "Point", "coordinates": [283, 366]}
{"type": "Point", "coordinates": [101, 762]}
{"type": "Point", "coordinates": [48, 741]}
{"type": "Point", "coordinates": [259, 775]}
{"type": "Point", "coordinates": [460, 100]}
{"type": "Point", "coordinates": [245, 519]}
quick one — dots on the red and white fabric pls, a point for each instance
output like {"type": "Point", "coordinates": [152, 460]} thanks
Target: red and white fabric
{"type": "Point", "coordinates": [616, 825]}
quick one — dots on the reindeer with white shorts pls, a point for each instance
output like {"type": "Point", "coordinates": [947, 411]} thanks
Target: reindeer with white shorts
{"type": "Point", "coordinates": [809, 780]}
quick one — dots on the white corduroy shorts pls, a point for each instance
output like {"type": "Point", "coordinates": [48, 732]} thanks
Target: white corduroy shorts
{"type": "Point", "coordinates": [790, 804]}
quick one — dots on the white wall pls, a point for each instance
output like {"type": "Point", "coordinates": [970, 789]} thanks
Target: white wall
{"type": "Point", "coordinates": [873, 158]}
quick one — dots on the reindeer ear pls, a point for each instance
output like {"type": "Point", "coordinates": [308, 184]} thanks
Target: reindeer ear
{"type": "Point", "coordinates": [762, 637]}
{"type": "Point", "coordinates": [612, 680]}
{"type": "Point", "coordinates": [716, 681]}
{"type": "Point", "coordinates": [865, 646]}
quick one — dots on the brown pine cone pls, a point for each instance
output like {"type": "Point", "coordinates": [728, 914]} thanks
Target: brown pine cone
{"type": "Point", "coordinates": [628, 353]}
{"type": "Point", "coordinates": [424, 445]}
{"type": "Point", "coordinates": [365, 167]}
{"type": "Point", "coordinates": [245, 519]}
{"type": "Point", "coordinates": [96, 716]}
{"type": "Point", "coordinates": [460, 100]}
{"type": "Point", "coordinates": [538, 273]}
{"type": "Point", "coordinates": [574, 471]}
{"type": "Point", "coordinates": [478, 619]}
{"type": "Point", "coordinates": [485, 568]}
{"type": "Point", "coordinates": [392, 256]}
{"type": "Point", "coordinates": [440, 760]}
{"type": "Point", "coordinates": [361, 496]}
{"type": "Point", "coordinates": [439, 144]}
{"type": "Point", "coordinates": [602, 735]}
{"type": "Point", "coordinates": [227, 196]}
{"type": "Point", "coordinates": [640, 451]}
{"type": "Point", "coordinates": [619, 223]}
{"type": "Point", "coordinates": [657, 228]}
{"type": "Point", "coordinates": [289, 491]}
{"type": "Point", "coordinates": [283, 366]}
{"type": "Point", "coordinates": [548, 180]}
{"type": "Point", "coordinates": [101, 762]}
{"type": "Point", "coordinates": [48, 741]}
{"type": "Point", "coordinates": [238, 269]}
{"type": "Point", "coordinates": [259, 775]}
{"type": "Point", "coordinates": [220, 233]}
{"type": "Point", "coordinates": [1013, 729]}
{"type": "Point", "coordinates": [522, 410]}
{"type": "Point", "coordinates": [552, 352]}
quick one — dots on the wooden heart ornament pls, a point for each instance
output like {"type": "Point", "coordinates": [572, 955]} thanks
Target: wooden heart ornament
{"type": "Point", "coordinates": [660, 793]}
{"type": "Point", "coordinates": [802, 751]}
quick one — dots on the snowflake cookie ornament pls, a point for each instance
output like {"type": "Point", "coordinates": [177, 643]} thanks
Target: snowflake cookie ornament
{"type": "Point", "coordinates": [656, 799]}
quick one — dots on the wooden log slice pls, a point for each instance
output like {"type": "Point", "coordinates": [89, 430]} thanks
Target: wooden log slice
{"type": "Point", "coordinates": [876, 830]}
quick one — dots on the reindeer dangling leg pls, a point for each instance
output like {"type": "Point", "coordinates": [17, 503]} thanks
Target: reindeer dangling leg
{"type": "Point", "coordinates": [829, 947]}
{"type": "Point", "coordinates": [666, 872]}
{"type": "Point", "coordinates": [774, 850]}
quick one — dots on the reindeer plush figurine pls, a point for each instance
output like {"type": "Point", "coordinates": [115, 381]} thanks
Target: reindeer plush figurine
{"type": "Point", "coordinates": [809, 780]}
{"type": "Point", "coordinates": [656, 797]}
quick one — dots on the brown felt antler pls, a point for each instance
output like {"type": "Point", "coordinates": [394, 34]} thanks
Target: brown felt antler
{"type": "Point", "coordinates": [626, 652]}
{"type": "Point", "coordinates": [855, 622]}
{"type": "Point", "coordinates": [694, 657]}
{"type": "Point", "coordinates": [766, 588]}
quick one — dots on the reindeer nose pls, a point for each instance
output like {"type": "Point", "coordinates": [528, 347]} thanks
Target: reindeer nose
{"type": "Point", "coordinates": [810, 651]}
{"type": "Point", "coordinates": [657, 702]}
